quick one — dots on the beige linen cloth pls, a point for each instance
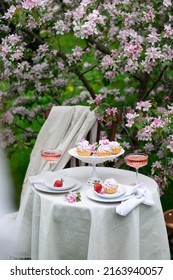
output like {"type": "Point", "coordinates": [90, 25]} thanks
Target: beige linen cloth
{"type": "Point", "coordinates": [64, 126]}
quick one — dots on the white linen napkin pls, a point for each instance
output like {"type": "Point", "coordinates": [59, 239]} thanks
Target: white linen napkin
{"type": "Point", "coordinates": [45, 178]}
{"type": "Point", "coordinates": [138, 194]}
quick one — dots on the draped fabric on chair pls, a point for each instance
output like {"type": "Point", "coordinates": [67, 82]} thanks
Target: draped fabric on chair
{"type": "Point", "coordinates": [64, 126]}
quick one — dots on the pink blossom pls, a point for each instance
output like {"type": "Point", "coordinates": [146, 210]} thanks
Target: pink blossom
{"type": "Point", "coordinates": [161, 181]}
{"type": "Point", "coordinates": [98, 98]}
{"type": "Point", "coordinates": [168, 31]}
{"type": "Point", "coordinates": [125, 145]}
{"type": "Point", "coordinates": [8, 118]}
{"type": "Point", "coordinates": [170, 146]}
{"type": "Point", "coordinates": [61, 27]}
{"type": "Point", "coordinates": [166, 98]}
{"type": "Point", "coordinates": [132, 50]}
{"type": "Point", "coordinates": [145, 134]}
{"type": "Point", "coordinates": [7, 138]}
{"type": "Point", "coordinates": [110, 75]}
{"type": "Point", "coordinates": [109, 123]}
{"type": "Point", "coordinates": [153, 37]}
{"type": "Point", "coordinates": [161, 154]}
{"type": "Point", "coordinates": [76, 55]}
{"type": "Point", "coordinates": [73, 197]}
{"type": "Point", "coordinates": [107, 62]}
{"type": "Point", "coordinates": [9, 14]}
{"type": "Point", "coordinates": [85, 30]}
{"type": "Point", "coordinates": [148, 16]}
{"type": "Point", "coordinates": [157, 123]}
{"type": "Point", "coordinates": [131, 118]}
{"type": "Point", "coordinates": [84, 95]}
{"type": "Point", "coordinates": [129, 90]}
{"type": "Point", "coordinates": [149, 147]}
{"type": "Point", "coordinates": [156, 165]}
{"type": "Point", "coordinates": [29, 4]}
{"type": "Point", "coordinates": [31, 23]}
{"type": "Point", "coordinates": [98, 116]}
{"type": "Point", "coordinates": [131, 66]}
{"type": "Point", "coordinates": [111, 111]}
{"type": "Point", "coordinates": [167, 3]}
{"type": "Point", "coordinates": [153, 53]}
{"type": "Point", "coordinates": [143, 106]}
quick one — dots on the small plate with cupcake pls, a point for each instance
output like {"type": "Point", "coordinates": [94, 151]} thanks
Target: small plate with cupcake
{"type": "Point", "coordinates": [109, 189]}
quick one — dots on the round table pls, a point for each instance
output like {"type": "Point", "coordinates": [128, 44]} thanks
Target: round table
{"type": "Point", "coordinates": [91, 229]}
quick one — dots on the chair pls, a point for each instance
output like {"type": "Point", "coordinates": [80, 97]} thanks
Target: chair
{"type": "Point", "coordinates": [168, 216]}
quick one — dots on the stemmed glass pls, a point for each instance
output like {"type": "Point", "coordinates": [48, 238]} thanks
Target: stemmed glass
{"type": "Point", "coordinates": [136, 160]}
{"type": "Point", "coordinates": [51, 156]}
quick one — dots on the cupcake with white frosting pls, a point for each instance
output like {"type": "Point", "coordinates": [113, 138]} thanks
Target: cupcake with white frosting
{"type": "Point", "coordinates": [83, 148]}
{"type": "Point", "coordinates": [115, 147]}
{"type": "Point", "coordinates": [103, 150]}
{"type": "Point", "coordinates": [110, 186]}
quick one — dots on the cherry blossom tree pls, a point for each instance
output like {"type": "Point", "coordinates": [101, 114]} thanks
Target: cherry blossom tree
{"type": "Point", "coordinates": [109, 55]}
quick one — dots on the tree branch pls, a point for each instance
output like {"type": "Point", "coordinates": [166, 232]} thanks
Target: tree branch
{"type": "Point", "coordinates": [88, 70]}
{"type": "Point", "coordinates": [155, 83]}
{"type": "Point", "coordinates": [36, 38]}
{"type": "Point", "coordinates": [65, 59]}
{"type": "Point", "coordinates": [85, 82]}
{"type": "Point", "coordinates": [100, 47]}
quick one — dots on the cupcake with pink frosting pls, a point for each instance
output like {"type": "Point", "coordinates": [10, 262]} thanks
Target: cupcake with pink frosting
{"type": "Point", "coordinates": [83, 148]}
{"type": "Point", "coordinates": [110, 186]}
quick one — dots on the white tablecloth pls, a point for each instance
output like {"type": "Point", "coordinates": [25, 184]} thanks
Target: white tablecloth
{"type": "Point", "coordinates": [51, 228]}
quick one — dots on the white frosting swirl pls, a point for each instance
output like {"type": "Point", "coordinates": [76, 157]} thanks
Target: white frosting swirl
{"type": "Point", "coordinates": [114, 144]}
{"type": "Point", "coordinates": [83, 145]}
{"type": "Point", "coordinates": [104, 148]}
{"type": "Point", "coordinates": [83, 141]}
{"type": "Point", "coordinates": [110, 183]}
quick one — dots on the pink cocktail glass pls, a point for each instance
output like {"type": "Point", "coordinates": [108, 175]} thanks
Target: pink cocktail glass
{"type": "Point", "coordinates": [136, 161]}
{"type": "Point", "coordinates": [51, 156]}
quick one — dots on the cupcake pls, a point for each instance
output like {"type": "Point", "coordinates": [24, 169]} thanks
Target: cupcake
{"type": "Point", "coordinates": [110, 186]}
{"type": "Point", "coordinates": [115, 147]}
{"type": "Point", "coordinates": [83, 148]}
{"type": "Point", "coordinates": [103, 150]}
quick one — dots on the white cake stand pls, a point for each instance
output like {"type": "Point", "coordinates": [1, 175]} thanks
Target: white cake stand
{"type": "Point", "coordinates": [93, 160]}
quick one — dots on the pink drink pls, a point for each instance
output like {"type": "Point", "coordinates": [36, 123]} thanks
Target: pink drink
{"type": "Point", "coordinates": [51, 155]}
{"type": "Point", "coordinates": [136, 161]}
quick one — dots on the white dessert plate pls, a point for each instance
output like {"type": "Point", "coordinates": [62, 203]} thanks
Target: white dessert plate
{"type": "Point", "coordinates": [68, 183]}
{"type": "Point", "coordinates": [92, 195]}
{"type": "Point", "coordinates": [43, 188]}
{"type": "Point", "coordinates": [48, 178]}
{"type": "Point", "coordinates": [120, 191]}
